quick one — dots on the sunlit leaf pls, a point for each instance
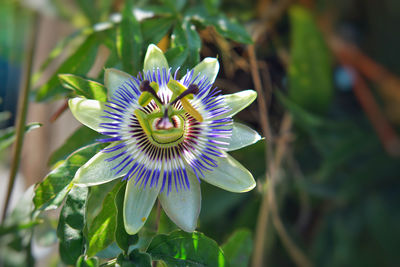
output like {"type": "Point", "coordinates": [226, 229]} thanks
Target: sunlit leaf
{"type": "Point", "coordinates": [100, 232]}
{"type": "Point", "coordinates": [186, 249]}
{"type": "Point", "coordinates": [155, 29]}
{"type": "Point", "coordinates": [122, 238]}
{"type": "Point", "coordinates": [50, 193]}
{"type": "Point", "coordinates": [231, 29]}
{"type": "Point", "coordinates": [86, 88]}
{"type": "Point", "coordinates": [82, 137]}
{"type": "Point", "coordinates": [129, 41]}
{"type": "Point", "coordinates": [74, 39]}
{"type": "Point", "coordinates": [83, 261]}
{"type": "Point", "coordinates": [193, 43]}
{"type": "Point", "coordinates": [78, 63]}
{"type": "Point", "coordinates": [135, 258]}
{"type": "Point", "coordinates": [70, 225]}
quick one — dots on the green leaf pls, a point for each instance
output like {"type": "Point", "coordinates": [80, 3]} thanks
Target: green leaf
{"type": "Point", "coordinates": [152, 11]}
{"type": "Point", "coordinates": [7, 136]}
{"type": "Point", "coordinates": [242, 136]}
{"type": "Point", "coordinates": [310, 69]}
{"type": "Point", "coordinates": [82, 137]}
{"type": "Point", "coordinates": [186, 249]}
{"type": "Point", "coordinates": [83, 87]}
{"type": "Point", "coordinates": [130, 41]}
{"type": "Point", "coordinates": [100, 232]}
{"type": "Point", "coordinates": [193, 43]}
{"type": "Point", "coordinates": [135, 258]}
{"type": "Point", "coordinates": [83, 261]}
{"type": "Point", "coordinates": [71, 224]}
{"type": "Point", "coordinates": [78, 63]}
{"type": "Point", "coordinates": [238, 248]}
{"type": "Point", "coordinates": [212, 5]}
{"type": "Point", "coordinates": [176, 5]}
{"type": "Point", "coordinates": [228, 28]}
{"type": "Point", "coordinates": [305, 119]}
{"type": "Point", "coordinates": [74, 39]}
{"type": "Point", "coordinates": [90, 10]}
{"type": "Point", "coordinates": [238, 101]}
{"type": "Point", "coordinates": [155, 29]}
{"type": "Point", "coordinates": [96, 195]}
{"type": "Point", "coordinates": [122, 238]}
{"type": "Point", "coordinates": [231, 29]}
{"type": "Point", "coordinates": [50, 193]}
{"type": "Point", "coordinates": [176, 56]}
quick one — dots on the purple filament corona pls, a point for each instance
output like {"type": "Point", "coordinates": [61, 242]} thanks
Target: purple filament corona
{"type": "Point", "coordinates": [149, 164]}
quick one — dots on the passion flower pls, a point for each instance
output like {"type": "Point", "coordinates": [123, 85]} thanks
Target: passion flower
{"type": "Point", "coordinates": [165, 135]}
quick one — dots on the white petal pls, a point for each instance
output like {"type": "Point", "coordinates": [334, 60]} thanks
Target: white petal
{"type": "Point", "coordinates": [154, 59]}
{"type": "Point", "coordinates": [97, 170]}
{"type": "Point", "coordinates": [113, 79]}
{"type": "Point", "coordinates": [209, 67]}
{"type": "Point", "coordinates": [238, 101]}
{"type": "Point", "coordinates": [242, 136]}
{"type": "Point", "coordinates": [138, 203]}
{"type": "Point", "coordinates": [88, 112]}
{"type": "Point", "coordinates": [230, 175]}
{"type": "Point", "coordinates": [183, 207]}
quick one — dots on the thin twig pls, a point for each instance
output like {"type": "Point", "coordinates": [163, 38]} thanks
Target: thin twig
{"type": "Point", "coordinates": [22, 110]}
{"type": "Point", "coordinates": [262, 221]}
{"type": "Point", "coordinates": [281, 150]}
{"type": "Point", "coordinates": [59, 111]}
{"type": "Point", "coordinates": [273, 161]}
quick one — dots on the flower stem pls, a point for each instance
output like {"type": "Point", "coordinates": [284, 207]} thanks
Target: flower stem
{"type": "Point", "coordinates": [22, 110]}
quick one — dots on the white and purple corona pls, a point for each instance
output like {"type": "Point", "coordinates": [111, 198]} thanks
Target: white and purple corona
{"type": "Point", "coordinates": [165, 135]}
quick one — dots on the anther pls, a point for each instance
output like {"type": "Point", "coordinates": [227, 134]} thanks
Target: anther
{"type": "Point", "coordinates": [192, 89]}
{"type": "Point", "coordinates": [145, 87]}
